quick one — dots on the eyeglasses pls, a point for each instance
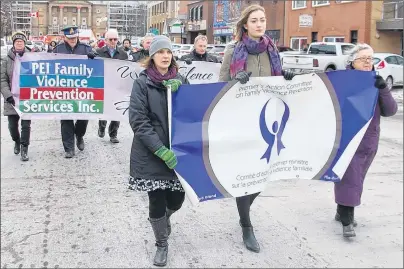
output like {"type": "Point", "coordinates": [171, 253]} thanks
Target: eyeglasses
{"type": "Point", "coordinates": [365, 59]}
{"type": "Point", "coordinates": [112, 39]}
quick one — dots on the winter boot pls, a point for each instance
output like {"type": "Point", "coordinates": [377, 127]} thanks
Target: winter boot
{"type": "Point", "coordinates": [80, 143]}
{"type": "Point", "coordinates": [169, 213]}
{"type": "Point", "coordinates": [249, 239]}
{"type": "Point", "coordinates": [17, 147]}
{"type": "Point", "coordinates": [160, 229]}
{"type": "Point", "coordinates": [69, 154]}
{"type": "Point", "coordinates": [24, 153]}
{"type": "Point", "coordinates": [340, 209]}
{"type": "Point", "coordinates": [101, 132]}
{"type": "Point", "coordinates": [348, 231]}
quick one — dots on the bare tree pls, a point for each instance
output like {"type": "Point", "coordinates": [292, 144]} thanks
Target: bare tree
{"type": "Point", "coordinates": [5, 23]}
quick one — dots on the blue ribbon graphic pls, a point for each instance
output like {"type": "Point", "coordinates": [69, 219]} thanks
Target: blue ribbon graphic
{"type": "Point", "coordinates": [276, 129]}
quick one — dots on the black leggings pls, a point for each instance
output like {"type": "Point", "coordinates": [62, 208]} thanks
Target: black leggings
{"type": "Point", "coordinates": [243, 205]}
{"type": "Point", "coordinates": [160, 200]}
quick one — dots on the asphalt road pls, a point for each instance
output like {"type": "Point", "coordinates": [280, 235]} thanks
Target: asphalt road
{"type": "Point", "coordinates": [79, 213]}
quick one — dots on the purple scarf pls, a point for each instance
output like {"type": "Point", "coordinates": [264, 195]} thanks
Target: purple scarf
{"type": "Point", "coordinates": [249, 46]}
{"type": "Point", "coordinates": [157, 77]}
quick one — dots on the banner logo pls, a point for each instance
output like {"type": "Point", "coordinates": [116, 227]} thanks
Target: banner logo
{"type": "Point", "coordinates": [276, 128]}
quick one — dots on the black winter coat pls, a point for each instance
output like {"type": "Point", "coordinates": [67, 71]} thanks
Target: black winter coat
{"type": "Point", "coordinates": [194, 56]}
{"type": "Point", "coordinates": [148, 117]}
{"type": "Point", "coordinates": [79, 49]}
{"type": "Point", "coordinates": [140, 55]}
{"type": "Point", "coordinates": [119, 53]}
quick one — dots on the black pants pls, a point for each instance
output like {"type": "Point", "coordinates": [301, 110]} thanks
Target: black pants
{"type": "Point", "coordinates": [69, 129]}
{"type": "Point", "coordinates": [160, 200]}
{"type": "Point", "coordinates": [15, 133]}
{"type": "Point", "coordinates": [346, 213]}
{"type": "Point", "coordinates": [243, 205]}
{"type": "Point", "coordinates": [112, 129]}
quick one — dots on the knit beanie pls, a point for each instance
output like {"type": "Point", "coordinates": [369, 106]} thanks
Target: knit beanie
{"type": "Point", "coordinates": [159, 42]}
{"type": "Point", "coordinates": [19, 35]}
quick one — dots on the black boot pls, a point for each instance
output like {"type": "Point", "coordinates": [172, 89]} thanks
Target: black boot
{"type": "Point", "coordinates": [80, 143]}
{"type": "Point", "coordinates": [243, 207]}
{"type": "Point", "coordinates": [169, 213]}
{"type": "Point", "coordinates": [101, 132]}
{"type": "Point", "coordinates": [17, 147]}
{"type": "Point", "coordinates": [346, 214]}
{"type": "Point", "coordinates": [249, 239]}
{"type": "Point", "coordinates": [24, 153]}
{"type": "Point", "coordinates": [338, 215]}
{"type": "Point", "coordinates": [160, 229]}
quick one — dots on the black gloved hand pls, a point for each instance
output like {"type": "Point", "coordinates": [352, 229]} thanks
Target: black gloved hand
{"type": "Point", "coordinates": [380, 83]}
{"type": "Point", "coordinates": [188, 61]}
{"type": "Point", "coordinates": [288, 75]}
{"type": "Point", "coordinates": [243, 77]}
{"type": "Point", "coordinates": [11, 100]}
{"type": "Point", "coordinates": [91, 55]}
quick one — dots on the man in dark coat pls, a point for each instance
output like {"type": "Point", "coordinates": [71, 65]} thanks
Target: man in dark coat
{"type": "Point", "coordinates": [112, 51]}
{"type": "Point", "coordinates": [144, 52]}
{"type": "Point", "coordinates": [199, 53]}
{"type": "Point", "coordinates": [71, 45]}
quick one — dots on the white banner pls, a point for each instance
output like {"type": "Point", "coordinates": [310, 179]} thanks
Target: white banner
{"type": "Point", "coordinates": [61, 86]}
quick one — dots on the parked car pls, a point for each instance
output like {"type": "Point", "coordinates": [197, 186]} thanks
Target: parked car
{"type": "Point", "coordinates": [209, 47]}
{"type": "Point", "coordinates": [218, 51]}
{"type": "Point", "coordinates": [320, 57]}
{"type": "Point", "coordinates": [390, 67]}
{"type": "Point", "coordinates": [183, 49]}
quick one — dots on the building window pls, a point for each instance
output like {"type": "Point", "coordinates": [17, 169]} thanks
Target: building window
{"type": "Point", "coordinates": [319, 3]}
{"type": "Point", "coordinates": [200, 12]}
{"type": "Point", "coordinates": [333, 39]}
{"type": "Point", "coordinates": [344, 1]}
{"type": "Point", "coordinates": [314, 37]}
{"type": "Point", "coordinates": [393, 9]}
{"type": "Point", "coordinates": [354, 36]}
{"type": "Point", "coordinates": [298, 43]}
{"type": "Point", "coordinates": [298, 4]}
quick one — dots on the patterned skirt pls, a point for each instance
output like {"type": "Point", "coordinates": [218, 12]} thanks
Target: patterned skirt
{"type": "Point", "coordinates": [140, 184]}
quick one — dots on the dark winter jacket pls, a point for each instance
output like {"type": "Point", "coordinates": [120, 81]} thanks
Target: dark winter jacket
{"type": "Point", "coordinates": [348, 192]}
{"type": "Point", "coordinates": [140, 55]}
{"type": "Point", "coordinates": [79, 49]}
{"type": "Point", "coordinates": [119, 53]}
{"type": "Point", "coordinates": [194, 56]}
{"type": "Point", "coordinates": [148, 117]}
{"type": "Point", "coordinates": [7, 67]}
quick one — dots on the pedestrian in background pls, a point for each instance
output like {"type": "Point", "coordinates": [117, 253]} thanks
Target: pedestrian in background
{"type": "Point", "coordinates": [254, 54]}
{"type": "Point", "coordinates": [348, 192]}
{"type": "Point", "coordinates": [21, 141]}
{"type": "Point", "coordinates": [51, 46]}
{"type": "Point", "coordinates": [127, 47]}
{"type": "Point", "coordinates": [151, 160]}
{"type": "Point", "coordinates": [144, 51]}
{"type": "Point", "coordinates": [112, 51]}
{"type": "Point", "coordinates": [69, 129]}
{"type": "Point", "coordinates": [199, 52]}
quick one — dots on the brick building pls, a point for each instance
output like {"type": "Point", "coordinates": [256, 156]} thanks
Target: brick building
{"type": "Point", "coordinates": [200, 17]}
{"type": "Point", "coordinates": [338, 21]}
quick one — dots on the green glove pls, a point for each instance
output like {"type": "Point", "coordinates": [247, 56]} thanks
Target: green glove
{"type": "Point", "coordinates": [168, 156]}
{"type": "Point", "coordinates": [174, 83]}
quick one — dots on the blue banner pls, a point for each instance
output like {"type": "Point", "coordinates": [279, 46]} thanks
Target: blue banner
{"type": "Point", "coordinates": [232, 140]}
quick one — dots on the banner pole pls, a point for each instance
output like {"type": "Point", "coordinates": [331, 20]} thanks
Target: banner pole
{"type": "Point", "coordinates": [169, 108]}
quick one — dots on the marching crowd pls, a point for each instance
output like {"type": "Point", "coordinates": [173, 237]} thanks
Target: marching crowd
{"type": "Point", "coordinates": [151, 161]}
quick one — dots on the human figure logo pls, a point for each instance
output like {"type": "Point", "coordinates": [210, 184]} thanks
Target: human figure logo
{"type": "Point", "coordinates": [276, 129]}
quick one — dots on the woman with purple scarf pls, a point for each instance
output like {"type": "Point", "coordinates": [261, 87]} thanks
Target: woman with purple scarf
{"type": "Point", "coordinates": [151, 160]}
{"type": "Point", "coordinates": [348, 192]}
{"type": "Point", "coordinates": [254, 54]}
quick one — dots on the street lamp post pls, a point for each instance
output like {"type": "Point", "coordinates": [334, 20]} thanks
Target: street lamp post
{"type": "Point", "coordinates": [182, 25]}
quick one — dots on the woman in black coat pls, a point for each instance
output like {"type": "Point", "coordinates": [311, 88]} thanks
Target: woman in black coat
{"type": "Point", "coordinates": [151, 161]}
